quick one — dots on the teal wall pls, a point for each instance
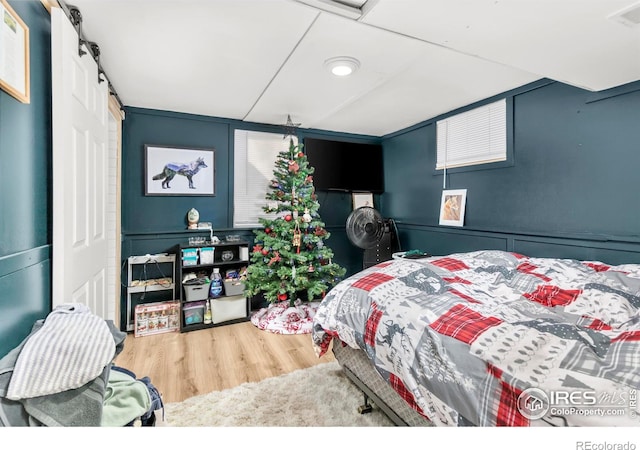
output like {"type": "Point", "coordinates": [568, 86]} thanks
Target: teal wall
{"type": "Point", "coordinates": [571, 192]}
{"type": "Point", "coordinates": [25, 194]}
{"type": "Point", "coordinates": [153, 224]}
{"type": "Point", "coordinates": [574, 177]}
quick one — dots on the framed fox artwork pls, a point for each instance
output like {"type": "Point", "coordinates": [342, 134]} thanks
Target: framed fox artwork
{"type": "Point", "coordinates": [179, 170]}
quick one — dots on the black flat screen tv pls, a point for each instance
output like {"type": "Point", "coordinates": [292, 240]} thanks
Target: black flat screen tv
{"type": "Point", "coordinates": [345, 166]}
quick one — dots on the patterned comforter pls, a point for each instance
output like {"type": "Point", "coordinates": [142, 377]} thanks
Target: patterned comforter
{"type": "Point", "coordinates": [493, 338]}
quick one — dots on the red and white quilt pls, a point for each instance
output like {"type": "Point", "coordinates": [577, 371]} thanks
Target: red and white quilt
{"type": "Point", "coordinates": [493, 338]}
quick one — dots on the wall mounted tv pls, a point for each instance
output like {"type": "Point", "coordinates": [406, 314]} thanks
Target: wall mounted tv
{"type": "Point", "coordinates": [345, 166]}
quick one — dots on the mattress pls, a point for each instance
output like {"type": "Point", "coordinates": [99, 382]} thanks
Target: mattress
{"type": "Point", "coordinates": [492, 338]}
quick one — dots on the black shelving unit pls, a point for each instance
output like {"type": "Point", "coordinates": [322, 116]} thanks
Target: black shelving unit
{"type": "Point", "coordinates": [237, 306]}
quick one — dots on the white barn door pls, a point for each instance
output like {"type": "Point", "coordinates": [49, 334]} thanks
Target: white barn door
{"type": "Point", "coordinates": [80, 173]}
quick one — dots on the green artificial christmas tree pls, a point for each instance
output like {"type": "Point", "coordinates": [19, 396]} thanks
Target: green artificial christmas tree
{"type": "Point", "coordinates": [290, 259]}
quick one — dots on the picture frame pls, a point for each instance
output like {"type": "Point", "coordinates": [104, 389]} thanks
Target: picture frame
{"type": "Point", "coordinates": [181, 171]}
{"type": "Point", "coordinates": [452, 207]}
{"type": "Point", "coordinates": [362, 199]}
{"type": "Point", "coordinates": [14, 54]}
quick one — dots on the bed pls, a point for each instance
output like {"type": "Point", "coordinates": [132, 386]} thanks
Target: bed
{"type": "Point", "coordinates": [490, 338]}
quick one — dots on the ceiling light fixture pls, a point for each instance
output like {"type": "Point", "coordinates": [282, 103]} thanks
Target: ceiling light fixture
{"type": "Point", "coordinates": [341, 66]}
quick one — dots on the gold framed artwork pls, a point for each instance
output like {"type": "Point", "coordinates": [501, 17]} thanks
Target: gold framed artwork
{"type": "Point", "coordinates": [452, 207]}
{"type": "Point", "coordinates": [14, 54]}
{"type": "Point", "coordinates": [362, 199]}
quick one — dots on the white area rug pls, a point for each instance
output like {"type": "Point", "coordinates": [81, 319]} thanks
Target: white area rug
{"type": "Point", "coordinates": [318, 396]}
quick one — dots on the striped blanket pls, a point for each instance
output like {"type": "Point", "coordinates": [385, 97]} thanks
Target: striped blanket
{"type": "Point", "coordinates": [72, 348]}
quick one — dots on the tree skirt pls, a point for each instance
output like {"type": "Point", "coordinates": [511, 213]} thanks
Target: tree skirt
{"type": "Point", "coordinates": [280, 318]}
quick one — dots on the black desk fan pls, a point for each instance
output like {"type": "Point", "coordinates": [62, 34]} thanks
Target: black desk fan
{"type": "Point", "coordinates": [377, 236]}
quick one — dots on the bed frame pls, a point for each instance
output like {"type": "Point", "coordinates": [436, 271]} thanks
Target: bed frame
{"type": "Point", "coordinates": [361, 372]}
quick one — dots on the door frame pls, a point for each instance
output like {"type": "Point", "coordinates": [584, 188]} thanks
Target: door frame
{"type": "Point", "coordinates": [116, 114]}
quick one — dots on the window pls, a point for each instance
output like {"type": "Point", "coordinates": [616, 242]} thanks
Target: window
{"type": "Point", "coordinates": [255, 155]}
{"type": "Point", "coordinates": [477, 136]}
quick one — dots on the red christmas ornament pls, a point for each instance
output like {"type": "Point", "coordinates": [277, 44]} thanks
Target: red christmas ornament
{"type": "Point", "coordinates": [265, 252]}
{"type": "Point", "coordinates": [275, 258]}
{"type": "Point", "coordinates": [282, 297]}
{"type": "Point", "coordinates": [288, 217]}
{"type": "Point", "coordinates": [267, 230]}
{"type": "Point", "coordinates": [300, 154]}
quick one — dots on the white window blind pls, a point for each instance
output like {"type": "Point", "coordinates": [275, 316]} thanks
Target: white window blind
{"type": "Point", "coordinates": [255, 155]}
{"type": "Point", "coordinates": [477, 136]}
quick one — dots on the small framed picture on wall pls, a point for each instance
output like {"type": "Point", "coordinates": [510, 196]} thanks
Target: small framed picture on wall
{"type": "Point", "coordinates": [452, 207]}
{"type": "Point", "coordinates": [362, 199]}
{"type": "Point", "coordinates": [14, 54]}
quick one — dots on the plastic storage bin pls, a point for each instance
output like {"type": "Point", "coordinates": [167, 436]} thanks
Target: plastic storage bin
{"type": "Point", "coordinates": [193, 292]}
{"type": "Point", "coordinates": [233, 287]}
{"type": "Point", "coordinates": [206, 255]}
{"type": "Point", "coordinates": [193, 313]}
{"type": "Point", "coordinates": [189, 257]}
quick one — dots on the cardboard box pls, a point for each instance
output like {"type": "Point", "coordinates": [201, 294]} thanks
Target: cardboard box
{"type": "Point", "coordinates": [154, 318]}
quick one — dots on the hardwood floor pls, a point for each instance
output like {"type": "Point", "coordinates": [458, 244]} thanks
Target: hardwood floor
{"type": "Point", "coordinates": [182, 365]}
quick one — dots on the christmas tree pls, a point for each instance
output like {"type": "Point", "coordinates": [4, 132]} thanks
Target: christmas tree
{"type": "Point", "coordinates": [290, 259]}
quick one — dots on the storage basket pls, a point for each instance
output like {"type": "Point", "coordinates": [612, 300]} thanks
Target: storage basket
{"type": "Point", "coordinates": [193, 313]}
{"type": "Point", "coordinates": [196, 292]}
{"type": "Point", "coordinates": [228, 308]}
{"type": "Point", "coordinates": [233, 287]}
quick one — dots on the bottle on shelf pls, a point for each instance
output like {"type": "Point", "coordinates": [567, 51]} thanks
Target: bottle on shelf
{"type": "Point", "coordinates": [207, 314]}
{"type": "Point", "coordinates": [216, 284]}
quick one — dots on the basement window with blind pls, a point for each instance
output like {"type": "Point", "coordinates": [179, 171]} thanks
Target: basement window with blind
{"type": "Point", "coordinates": [255, 154]}
{"type": "Point", "coordinates": [477, 136]}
